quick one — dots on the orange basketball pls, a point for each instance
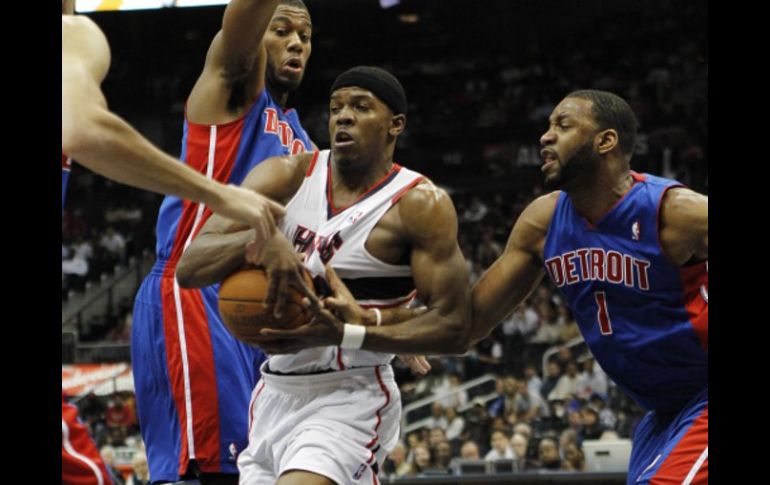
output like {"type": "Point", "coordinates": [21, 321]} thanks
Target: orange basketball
{"type": "Point", "coordinates": [242, 305]}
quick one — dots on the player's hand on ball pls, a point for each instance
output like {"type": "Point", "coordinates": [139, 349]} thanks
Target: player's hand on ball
{"type": "Point", "coordinates": [284, 267]}
{"type": "Point", "coordinates": [323, 330]}
{"type": "Point", "coordinates": [342, 301]}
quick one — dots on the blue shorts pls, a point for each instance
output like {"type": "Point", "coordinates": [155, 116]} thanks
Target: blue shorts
{"type": "Point", "coordinates": [193, 381]}
{"type": "Point", "coordinates": [672, 447]}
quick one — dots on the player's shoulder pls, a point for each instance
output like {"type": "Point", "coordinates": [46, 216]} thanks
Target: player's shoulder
{"type": "Point", "coordinates": [531, 227]}
{"type": "Point", "coordinates": [79, 25]}
{"type": "Point", "coordinates": [426, 209]}
{"type": "Point", "coordinates": [682, 206]}
{"type": "Point", "coordinates": [543, 207]}
{"type": "Point", "coordinates": [426, 196]}
{"type": "Point", "coordinates": [82, 39]}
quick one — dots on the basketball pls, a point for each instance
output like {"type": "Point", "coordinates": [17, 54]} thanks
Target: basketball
{"type": "Point", "coordinates": [242, 305]}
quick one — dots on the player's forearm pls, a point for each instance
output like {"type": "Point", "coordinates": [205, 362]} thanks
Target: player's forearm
{"type": "Point", "coordinates": [110, 147]}
{"type": "Point", "coordinates": [392, 316]}
{"type": "Point", "coordinates": [493, 299]}
{"type": "Point", "coordinates": [429, 333]}
{"type": "Point", "coordinates": [211, 258]}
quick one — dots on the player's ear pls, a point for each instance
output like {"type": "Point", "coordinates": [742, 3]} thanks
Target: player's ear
{"type": "Point", "coordinates": [397, 124]}
{"type": "Point", "coordinates": [606, 141]}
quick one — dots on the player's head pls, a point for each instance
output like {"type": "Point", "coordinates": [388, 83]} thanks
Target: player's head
{"type": "Point", "coordinates": [586, 127]}
{"type": "Point", "coordinates": [288, 45]}
{"type": "Point", "coordinates": [367, 112]}
{"type": "Point", "coordinates": [68, 6]}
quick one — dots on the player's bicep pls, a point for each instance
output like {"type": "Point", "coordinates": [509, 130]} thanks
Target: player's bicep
{"type": "Point", "coordinates": [441, 278]}
{"type": "Point", "coordinates": [438, 266]}
{"type": "Point", "coordinates": [684, 225]}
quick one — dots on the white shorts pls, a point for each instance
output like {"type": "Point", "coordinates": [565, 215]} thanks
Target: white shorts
{"type": "Point", "coordinates": [340, 424]}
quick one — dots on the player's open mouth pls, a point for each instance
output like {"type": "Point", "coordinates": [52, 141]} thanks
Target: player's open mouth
{"type": "Point", "coordinates": [549, 159]}
{"type": "Point", "coordinates": [294, 65]}
{"type": "Point", "coordinates": [343, 139]}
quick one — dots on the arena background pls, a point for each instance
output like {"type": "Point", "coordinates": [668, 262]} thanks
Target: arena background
{"type": "Point", "coordinates": [481, 78]}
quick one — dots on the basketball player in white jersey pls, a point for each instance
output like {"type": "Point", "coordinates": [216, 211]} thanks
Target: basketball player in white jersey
{"type": "Point", "coordinates": [330, 414]}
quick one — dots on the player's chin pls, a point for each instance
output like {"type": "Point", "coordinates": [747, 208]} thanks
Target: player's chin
{"type": "Point", "coordinates": [290, 82]}
{"type": "Point", "coordinates": [553, 181]}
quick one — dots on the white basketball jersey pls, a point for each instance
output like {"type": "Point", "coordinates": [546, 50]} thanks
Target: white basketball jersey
{"type": "Point", "coordinates": [326, 234]}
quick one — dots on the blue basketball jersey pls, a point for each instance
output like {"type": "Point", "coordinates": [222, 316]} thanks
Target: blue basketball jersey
{"type": "Point", "coordinates": [644, 318]}
{"type": "Point", "coordinates": [227, 153]}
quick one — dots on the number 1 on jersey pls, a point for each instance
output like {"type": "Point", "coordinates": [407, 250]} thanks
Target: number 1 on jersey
{"type": "Point", "coordinates": [605, 325]}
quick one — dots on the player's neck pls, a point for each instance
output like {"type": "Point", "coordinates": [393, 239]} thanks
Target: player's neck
{"type": "Point", "coordinates": [600, 192]}
{"type": "Point", "coordinates": [352, 182]}
{"type": "Point", "coordinates": [280, 97]}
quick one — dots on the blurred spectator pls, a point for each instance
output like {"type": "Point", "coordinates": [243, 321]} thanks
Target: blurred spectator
{"type": "Point", "coordinates": [119, 415]}
{"type": "Point", "coordinates": [501, 447]}
{"type": "Point", "coordinates": [470, 451]}
{"type": "Point", "coordinates": [437, 418]}
{"type": "Point", "coordinates": [456, 424]}
{"type": "Point", "coordinates": [573, 458]}
{"type": "Point", "coordinates": [568, 385]}
{"type": "Point", "coordinates": [396, 463]}
{"type": "Point", "coordinates": [548, 454]}
{"type": "Point", "coordinates": [108, 456]}
{"type": "Point", "coordinates": [140, 472]}
{"type": "Point", "coordinates": [114, 242]}
{"type": "Point", "coordinates": [520, 446]}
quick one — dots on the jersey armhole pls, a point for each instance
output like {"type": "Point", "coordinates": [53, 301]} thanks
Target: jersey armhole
{"type": "Point", "coordinates": [310, 167]}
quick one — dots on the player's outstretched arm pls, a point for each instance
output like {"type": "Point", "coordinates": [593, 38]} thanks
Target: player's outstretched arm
{"type": "Point", "coordinates": [236, 59]}
{"type": "Point", "coordinates": [106, 144]}
{"type": "Point", "coordinates": [516, 272]}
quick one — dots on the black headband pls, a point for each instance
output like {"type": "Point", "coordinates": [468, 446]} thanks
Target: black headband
{"type": "Point", "coordinates": [379, 81]}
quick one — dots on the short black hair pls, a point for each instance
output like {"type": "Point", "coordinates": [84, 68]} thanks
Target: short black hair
{"type": "Point", "coordinates": [612, 111]}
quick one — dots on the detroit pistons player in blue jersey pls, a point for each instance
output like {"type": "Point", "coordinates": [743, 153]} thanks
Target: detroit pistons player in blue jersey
{"type": "Point", "coordinates": [629, 252]}
{"type": "Point", "coordinates": [193, 379]}
{"type": "Point", "coordinates": [106, 144]}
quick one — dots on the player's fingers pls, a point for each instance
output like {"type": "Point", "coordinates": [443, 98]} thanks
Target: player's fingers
{"type": "Point", "coordinates": [335, 304]}
{"type": "Point", "coordinates": [302, 287]}
{"type": "Point", "coordinates": [284, 334]}
{"type": "Point", "coordinates": [275, 208]}
{"type": "Point", "coordinates": [272, 290]}
{"type": "Point", "coordinates": [423, 363]}
{"type": "Point", "coordinates": [282, 294]}
{"type": "Point", "coordinates": [334, 281]}
{"type": "Point", "coordinates": [254, 251]}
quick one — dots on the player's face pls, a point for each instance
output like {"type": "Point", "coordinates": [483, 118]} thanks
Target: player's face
{"type": "Point", "coordinates": [288, 46]}
{"type": "Point", "coordinates": [360, 128]}
{"type": "Point", "coordinates": [568, 145]}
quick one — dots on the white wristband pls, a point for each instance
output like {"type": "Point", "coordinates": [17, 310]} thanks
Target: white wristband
{"type": "Point", "coordinates": [378, 313]}
{"type": "Point", "coordinates": [353, 336]}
